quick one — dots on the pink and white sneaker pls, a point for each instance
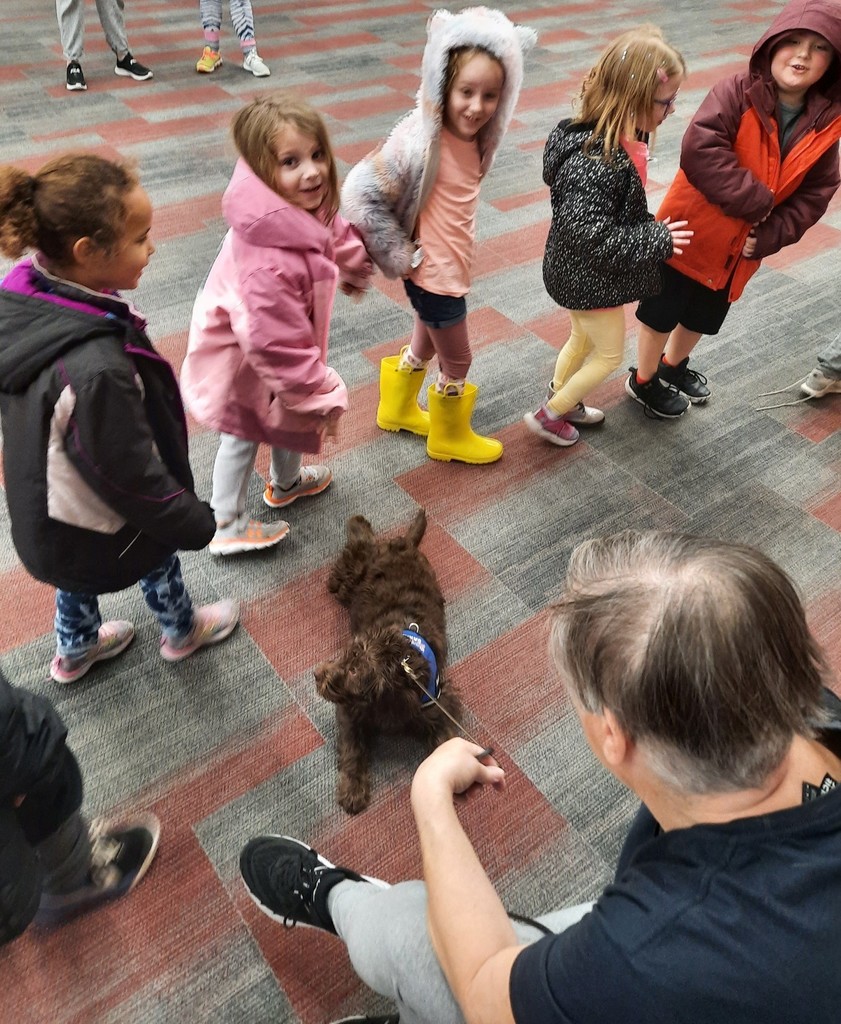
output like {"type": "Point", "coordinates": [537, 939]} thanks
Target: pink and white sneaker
{"type": "Point", "coordinates": [555, 429]}
{"type": "Point", "coordinates": [212, 624]}
{"type": "Point", "coordinates": [114, 638]}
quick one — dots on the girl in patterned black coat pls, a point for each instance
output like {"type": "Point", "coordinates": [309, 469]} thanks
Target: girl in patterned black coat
{"type": "Point", "coordinates": [604, 248]}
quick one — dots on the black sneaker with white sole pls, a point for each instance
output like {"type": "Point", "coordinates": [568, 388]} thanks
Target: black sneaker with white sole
{"type": "Point", "coordinates": [75, 78]}
{"type": "Point", "coordinates": [659, 399]}
{"type": "Point", "coordinates": [290, 882]}
{"type": "Point", "coordinates": [687, 382]}
{"type": "Point", "coordinates": [128, 67]}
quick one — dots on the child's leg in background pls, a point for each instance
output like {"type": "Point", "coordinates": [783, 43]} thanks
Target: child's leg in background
{"type": "Point", "coordinates": [572, 355]}
{"type": "Point", "coordinates": [829, 360]}
{"type": "Point", "coordinates": [112, 19]}
{"type": "Point", "coordinates": [603, 331]}
{"type": "Point", "coordinates": [71, 27]}
{"type": "Point", "coordinates": [454, 356]}
{"type": "Point", "coordinates": [242, 18]}
{"type": "Point", "coordinates": [680, 345]}
{"type": "Point", "coordinates": [231, 477]}
{"type": "Point", "coordinates": [420, 350]}
{"type": "Point", "coordinates": [211, 22]}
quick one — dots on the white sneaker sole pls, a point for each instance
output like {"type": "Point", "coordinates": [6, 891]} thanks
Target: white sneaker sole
{"type": "Point", "coordinates": [240, 547]}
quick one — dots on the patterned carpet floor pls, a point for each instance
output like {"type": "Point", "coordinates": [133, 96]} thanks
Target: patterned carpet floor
{"type": "Point", "coordinates": [236, 741]}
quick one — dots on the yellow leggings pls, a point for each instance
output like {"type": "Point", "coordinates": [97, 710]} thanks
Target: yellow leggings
{"type": "Point", "coordinates": [598, 334]}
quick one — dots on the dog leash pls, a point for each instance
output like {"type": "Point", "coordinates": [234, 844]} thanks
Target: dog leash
{"type": "Point", "coordinates": [410, 672]}
{"type": "Point", "coordinates": [782, 391]}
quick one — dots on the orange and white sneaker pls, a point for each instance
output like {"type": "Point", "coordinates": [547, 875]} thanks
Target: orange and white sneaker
{"type": "Point", "coordinates": [244, 534]}
{"type": "Point", "coordinates": [209, 61]}
{"type": "Point", "coordinates": [311, 480]}
{"type": "Point", "coordinates": [212, 623]}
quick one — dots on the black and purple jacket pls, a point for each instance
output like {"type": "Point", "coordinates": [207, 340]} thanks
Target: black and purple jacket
{"type": "Point", "coordinates": [97, 474]}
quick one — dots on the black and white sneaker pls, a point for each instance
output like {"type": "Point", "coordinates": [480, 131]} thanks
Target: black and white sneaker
{"type": "Point", "coordinates": [128, 67]}
{"type": "Point", "coordinates": [688, 382]}
{"type": "Point", "coordinates": [120, 857]}
{"type": "Point", "coordinates": [660, 400]}
{"type": "Point", "coordinates": [289, 881]}
{"type": "Point", "coordinates": [75, 78]}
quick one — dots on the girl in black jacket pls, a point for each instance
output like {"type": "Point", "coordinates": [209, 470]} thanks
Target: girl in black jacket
{"type": "Point", "coordinates": [97, 476]}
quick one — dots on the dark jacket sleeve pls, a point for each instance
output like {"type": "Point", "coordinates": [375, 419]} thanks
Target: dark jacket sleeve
{"type": "Point", "coordinates": [110, 442]}
{"type": "Point", "coordinates": [794, 216]}
{"type": "Point", "coordinates": [32, 738]}
{"type": "Point", "coordinates": [709, 161]}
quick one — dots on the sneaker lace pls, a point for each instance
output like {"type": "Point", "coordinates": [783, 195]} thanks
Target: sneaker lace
{"type": "Point", "coordinates": [105, 850]}
{"type": "Point", "coordinates": [699, 378]}
{"type": "Point", "coordinates": [782, 391]}
{"type": "Point", "coordinates": [297, 880]}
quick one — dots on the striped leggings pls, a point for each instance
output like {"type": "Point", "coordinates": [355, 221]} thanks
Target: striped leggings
{"type": "Point", "coordinates": [242, 18]}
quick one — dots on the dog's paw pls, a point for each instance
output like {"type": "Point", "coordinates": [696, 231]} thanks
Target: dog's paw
{"type": "Point", "coordinates": [353, 796]}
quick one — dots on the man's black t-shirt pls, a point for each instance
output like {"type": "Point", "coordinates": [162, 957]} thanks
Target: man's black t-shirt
{"type": "Point", "coordinates": [716, 924]}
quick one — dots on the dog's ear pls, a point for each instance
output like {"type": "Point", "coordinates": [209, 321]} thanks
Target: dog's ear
{"type": "Point", "coordinates": [359, 530]}
{"type": "Point", "coordinates": [415, 533]}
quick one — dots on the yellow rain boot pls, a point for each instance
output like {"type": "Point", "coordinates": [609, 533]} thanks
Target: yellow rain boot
{"type": "Point", "coordinates": [398, 408]}
{"type": "Point", "coordinates": [450, 433]}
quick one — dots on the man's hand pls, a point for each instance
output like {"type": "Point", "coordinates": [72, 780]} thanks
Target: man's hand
{"type": "Point", "coordinates": [454, 770]}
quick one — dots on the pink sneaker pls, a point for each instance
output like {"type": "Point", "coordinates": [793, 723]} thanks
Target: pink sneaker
{"type": "Point", "coordinates": [114, 638]}
{"type": "Point", "coordinates": [556, 431]}
{"type": "Point", "coordinates": [212, 624]}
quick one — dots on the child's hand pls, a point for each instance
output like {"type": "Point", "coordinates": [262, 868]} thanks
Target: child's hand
{"type": "Point", "coordinates": [749, 248]}
{"type": "Point", "coordinates": [353, 293]}
{"type": "Point", "coordinates": [680, 236]}
{"type": "Point", "coordinates": [330, 426]}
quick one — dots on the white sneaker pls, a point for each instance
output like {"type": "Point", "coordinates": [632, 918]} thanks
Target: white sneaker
{"type": "Point", "coordinates": [246, 534]}
{"type": "Point", "coordinates": [586, 414]}
{"type": "Point", "coordinates": [254, 63]}
{"type": "Point", "coordinates": [817, 384]}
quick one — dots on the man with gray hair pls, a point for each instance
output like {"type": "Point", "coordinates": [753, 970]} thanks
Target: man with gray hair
{"type": "Point", "coordinates": [698, 685]}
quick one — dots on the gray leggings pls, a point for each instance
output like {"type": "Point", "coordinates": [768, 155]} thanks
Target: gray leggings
{"type": "Point", "coordinates": [388, 944]}
{"type": "Point", "coordinates": [71, 26]}
{"type": "Point", "coordinates": [829, 360]}
{"type": "Point", "coordinates": [232, 474]}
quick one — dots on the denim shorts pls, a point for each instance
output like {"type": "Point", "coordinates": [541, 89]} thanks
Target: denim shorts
{"type": "Point", "coordinates": [436, 310]}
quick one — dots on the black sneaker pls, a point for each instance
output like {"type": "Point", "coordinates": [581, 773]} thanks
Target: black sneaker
{"type": "Point", "coordinates": [391, 1019]}
{"type": "Point", "coordinates": [660, 400]}
{"type": "Point", "coordinates": [128, 67]}
{"type": "Point", "coordinates": [289, 881]}
{"type": "Point", "coordinates": [75, 79]}
{"type": "Point", "coordinates": [690, 382]}
{"type": "Point", "coordinates": [120, 857]}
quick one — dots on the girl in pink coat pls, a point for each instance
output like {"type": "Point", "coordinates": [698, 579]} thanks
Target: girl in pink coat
{"type": "Point", "coordinates": [256, 367]}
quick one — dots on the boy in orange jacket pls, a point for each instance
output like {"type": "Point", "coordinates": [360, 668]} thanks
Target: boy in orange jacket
{"type": "Point", "coordinates": [758, 166]}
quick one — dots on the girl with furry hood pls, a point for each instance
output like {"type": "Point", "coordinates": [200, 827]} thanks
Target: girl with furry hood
{"type": "Point", "coordinates": [414, 202]}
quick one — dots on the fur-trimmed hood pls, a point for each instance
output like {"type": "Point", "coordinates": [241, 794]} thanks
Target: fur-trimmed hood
{"type": "Point", "coordinates": [384, 193]}
{"type": "Point", "coordinates": [492, 31]}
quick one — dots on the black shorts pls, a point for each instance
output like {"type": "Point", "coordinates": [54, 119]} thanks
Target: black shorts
{"type": "Point", "coordinates": [436, 311]}
{"type": "Point", "coordinates": [686, 302]}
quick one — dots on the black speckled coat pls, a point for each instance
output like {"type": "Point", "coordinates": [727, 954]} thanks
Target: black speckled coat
{"type": "Point", "coordinates": [604, 247]}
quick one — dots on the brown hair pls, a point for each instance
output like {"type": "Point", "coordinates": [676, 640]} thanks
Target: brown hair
{"type": "Point", "coordinates": [74, 196]}
{"type": "Point", "coordinates": [459, 56]}
{"type": "Point", "coordinates": [699, 647]}
{"type": "Point", "coordinates": [622, 85]}
{"type": "Point", "coordinates": [255, 131]}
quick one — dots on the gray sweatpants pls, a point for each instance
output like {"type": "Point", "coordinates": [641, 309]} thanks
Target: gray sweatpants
{"type": "Point", "coordinates": [829, 360]}
{"type": "Point", "coordinates": [388, 944]}
{"type": "Point", "coordinates": [71, 25]}
{"type": "Point", "coordinates": [232, 474]}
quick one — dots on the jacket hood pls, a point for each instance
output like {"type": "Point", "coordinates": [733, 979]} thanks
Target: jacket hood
{"type": "Point", "coordinates": [822, 16]}
{"type": "Point", "coordinates": [567, 140]}
{"type": "Point", "coordinates": [36, 332]}
{"type": "Point", "coordinates": [264, 218]}
{"type": "Point", "coordinates": [474, 26]}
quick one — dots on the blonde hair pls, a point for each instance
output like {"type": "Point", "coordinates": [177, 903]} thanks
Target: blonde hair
{"type": "Point", "coordinates": [74, 196]}
{"type": "Point", "coordinates": [459, 56]}
{"type": "Point", "coordinates": [622, 85]}
{"type": "Point", "coordinates": [255, 130]}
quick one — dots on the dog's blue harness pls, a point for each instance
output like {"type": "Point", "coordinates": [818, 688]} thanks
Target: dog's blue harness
{"type": "Point", "coordinates": [432, 690]}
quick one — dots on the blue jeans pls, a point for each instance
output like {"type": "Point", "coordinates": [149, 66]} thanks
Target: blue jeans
{"type": "Point", "coordinates": [77, 618]}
